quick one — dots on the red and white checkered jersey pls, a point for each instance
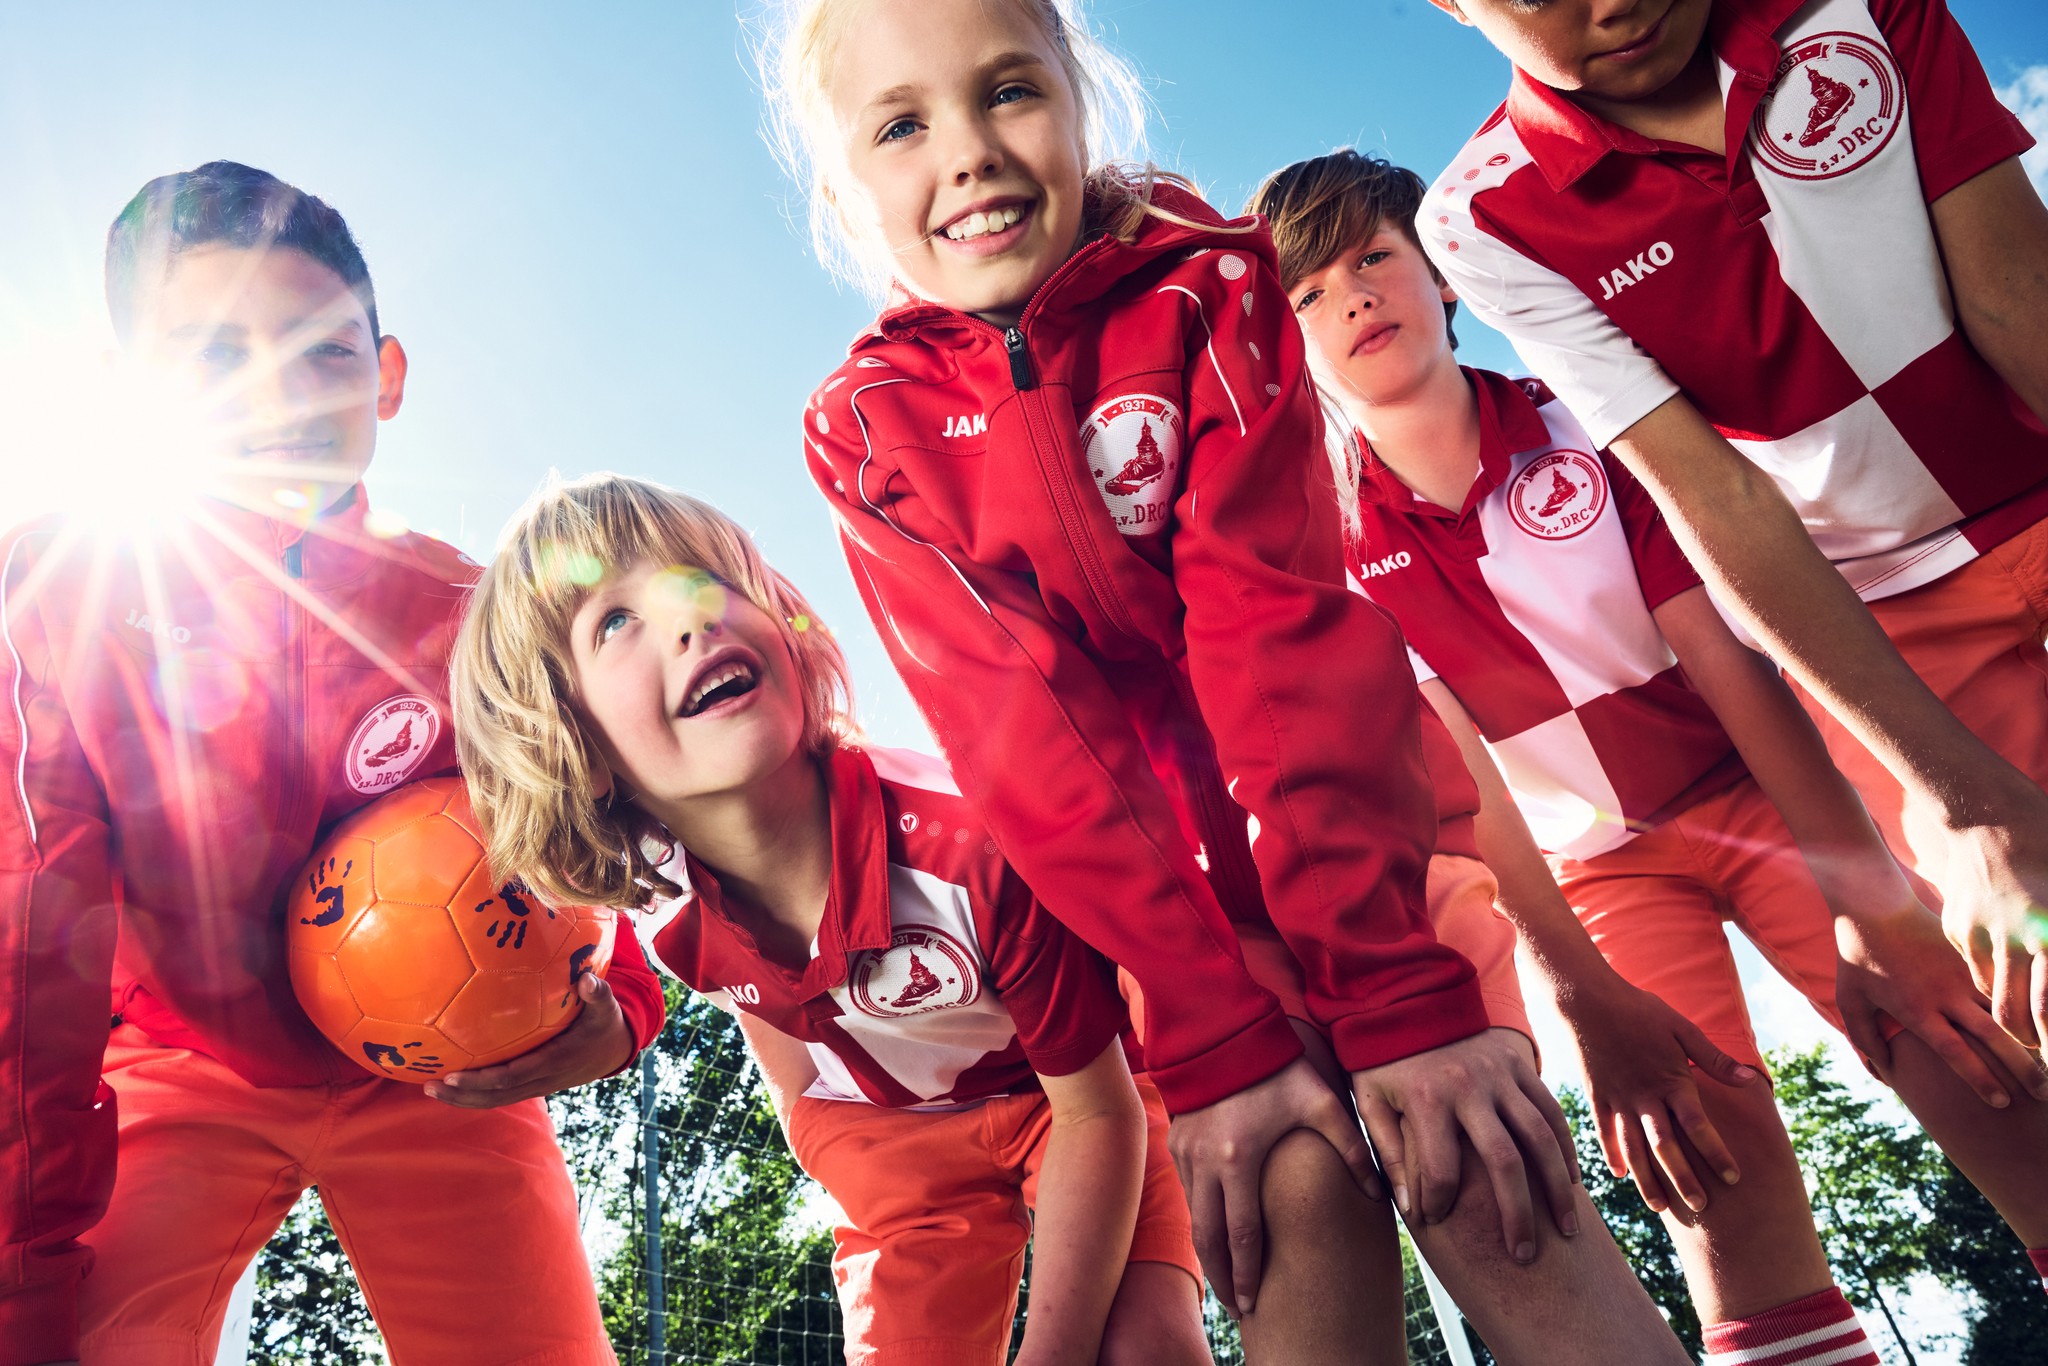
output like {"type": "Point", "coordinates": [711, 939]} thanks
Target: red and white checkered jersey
{"type": "Point", "coordinates": [1532, 603]}
{"type": "Point", "coordinates": [1792, 290]}
{"type": "Point", "coordinates": [937, 978]}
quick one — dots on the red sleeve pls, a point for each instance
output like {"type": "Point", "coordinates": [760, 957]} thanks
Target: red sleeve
{"type": "Point", "coordinates": [1032, 729]}
{"type": "Point", "coordinates": [1960, 130]}
{"type": "Point", "coordinates": [635, 987]}
{"type": "Point", "coordinates": [1661, 567]}
{"type": "Point", "coordinates": [1304, 684]}
{"type": "Point", "coordinates": [1060, 993]}
{"type": "Point", "coordinates": [56, 954]}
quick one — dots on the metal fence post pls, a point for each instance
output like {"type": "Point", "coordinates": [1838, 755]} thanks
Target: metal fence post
{"type": "Point", "coordinates": [650, 1159]}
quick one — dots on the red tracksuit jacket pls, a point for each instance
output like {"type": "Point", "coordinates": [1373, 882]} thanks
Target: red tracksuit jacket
{"type": "Point", "coordinates": [1103, 550]}
{"type": "Point", "coordinates": [179, 720]}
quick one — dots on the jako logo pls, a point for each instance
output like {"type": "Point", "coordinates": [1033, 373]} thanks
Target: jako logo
{"type": "Point", "coordinates": [747, 994]}
{"type": "Point", "coordinates": [967, 424]}
{"type": "Point", "coordinates": [1630, 271]}
{"type": "Point", "coordinates": [1386, 564]}
{"type": "Point", "coordinates": [141, 621]}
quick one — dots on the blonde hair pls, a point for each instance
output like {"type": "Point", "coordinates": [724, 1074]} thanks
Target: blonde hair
{"type": "Point", "coordinates": [531, 763]}
{"type": "Point", "coordinates": [794, 52]}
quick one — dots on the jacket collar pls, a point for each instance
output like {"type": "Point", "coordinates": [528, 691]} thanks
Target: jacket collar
{"type": "Point", "coordinates": [1508, 425]}
{"type": "Point", "coordinates": [1566, 141]}
{"type": "Point", "coordinates": [856, 913]}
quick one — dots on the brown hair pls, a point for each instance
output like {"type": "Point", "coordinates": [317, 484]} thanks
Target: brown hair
{"type": "Point", "coordinates": [532, 766]}
{"type": "Point", "coordinates": [1328, 205]}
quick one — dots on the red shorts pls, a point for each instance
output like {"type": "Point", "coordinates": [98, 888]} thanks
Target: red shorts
{"type": "Point", "coordinates": [461, 1224]}
{"type": "Point", "coordinates": [1655, 907]}
{"type": "Point", "coordinates": [936, 1214]}
{"type": "Point", "coordinates": [1974, 636]}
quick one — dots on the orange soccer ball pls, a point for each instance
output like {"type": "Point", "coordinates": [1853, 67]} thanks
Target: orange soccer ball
{"type": "Point", "coordinates": [414, 959]}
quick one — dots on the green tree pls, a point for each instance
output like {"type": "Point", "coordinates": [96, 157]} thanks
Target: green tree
{"type": "Point", "coordinates": [308, 1309]}
{"type": "Point", "coordinates": [1869, 1182]}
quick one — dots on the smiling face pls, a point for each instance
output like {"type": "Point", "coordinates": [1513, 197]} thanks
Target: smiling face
{"type": "Point", "coordinates": [960, 149]}
{"type": "Point", "coordinates": [267, 362]}
{"type": "Point", "coordinates": [1620, 50]}
{"type": "Point", "coordinates": [690, 688]}
{"type": "Point", "coordinates": [1374, 318]}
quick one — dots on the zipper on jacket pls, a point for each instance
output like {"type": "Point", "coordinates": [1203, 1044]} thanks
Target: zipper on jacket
{"type": "Point", "coordinates": [1020, 358]}
{"type": "Point", "coordinates": [294, 561]}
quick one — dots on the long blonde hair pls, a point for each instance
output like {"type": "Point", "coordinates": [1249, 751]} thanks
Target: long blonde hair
{"type": "Point", "coordinates": [532, 766]}
{"type": "Point", "coordinates": [794, 47]}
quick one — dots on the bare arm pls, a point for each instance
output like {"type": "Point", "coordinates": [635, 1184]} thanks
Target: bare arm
{"type": "Point", "coordinates": [1993, 232]}
{"type": "Point", "coordinates": [1889, 942]}
{"type": "Point", "coordinates": [1633, 1048]}
{"type": "Point", "coordinates": [786, 1066]}
{"type": "Point", "coordinates": [1752, 551]}
{"type": "Point", "coordinates": [1087, 1210]}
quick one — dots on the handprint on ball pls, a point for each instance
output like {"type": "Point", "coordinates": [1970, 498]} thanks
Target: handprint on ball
{"type": "Point", "coordinates": [511, 927]}
{"type": "Point", "coordinates": [328, 894]}
{"type": "Point", "coordinates": [391, 1058]}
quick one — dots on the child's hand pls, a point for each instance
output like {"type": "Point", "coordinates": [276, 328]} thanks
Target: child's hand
{"type": "Point", "coordinates": [1994, 888]}
{"type": "Point", "coordinates": [1220, 1151]}
{"type": "Point", "coordinates": [596, 1044]}
{"type": "Point", "coordinates": [1635, 1049]}
{"type": "Point", "coordinates": [1899, 963]}
{"type": "Point", "coordinates": [1486, 1090]}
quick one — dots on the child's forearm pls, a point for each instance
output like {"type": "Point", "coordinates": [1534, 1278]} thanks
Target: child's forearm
{"type": "Point", "coordinates": [1087, 1208]}
{"type": "Point", "coordinates": [787, 1069]}
{"type": "Point", "coordinates": [1788, 759]}
{"type": "Point", "coordinates": [1752, 550]}
{"type": "Point", "coordinates": [1552, 935]}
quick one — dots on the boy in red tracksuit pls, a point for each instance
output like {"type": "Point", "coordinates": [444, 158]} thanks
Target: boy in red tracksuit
{"type": "Point", "coordinates": [183, 711]}
{"type": "Point", "coordinates": [1781, 257]}
{"type": "Point", "coordinates": [1075, 469]}
{"type": "Point", "coordinates": [944, 1055]}
{"type": "Point", "coordinates": [1546, 602]}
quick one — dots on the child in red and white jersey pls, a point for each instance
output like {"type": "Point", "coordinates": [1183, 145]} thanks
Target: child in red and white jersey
{"type": "Point", "coordinates": [1074, 466]}
{"type": "Point", "coordinates": [1651, 753]}
{"type": "Point", "coordinates": [184, 707]}
{"type": "Point", "coordinates": [943, 1054]}
{"type": "Point", "coordinates": [1793, 236]}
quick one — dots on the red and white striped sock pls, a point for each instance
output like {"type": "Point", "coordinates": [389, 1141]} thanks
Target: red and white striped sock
{"type": "Point", "coordinates": [2039, 1257]}
{"type": "Point", "coordinates": [1820, 1330]}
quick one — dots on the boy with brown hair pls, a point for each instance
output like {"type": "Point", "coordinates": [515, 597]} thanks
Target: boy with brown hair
{"type": "Point", "coordinates": [1549, 610]}
{"type": "Point", "coordinates": [1782, 259]}
{"type": "Point", "coordinates": [183, 711]}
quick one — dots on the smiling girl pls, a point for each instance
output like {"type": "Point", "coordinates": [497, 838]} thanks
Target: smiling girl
{"type": "Point", "coordinates": [1075, 468]}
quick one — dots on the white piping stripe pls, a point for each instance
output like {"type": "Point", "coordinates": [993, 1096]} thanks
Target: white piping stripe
{"type": "Point", "coordinates": [20, 712]}
{"type": "Point", "coordinates": [1791, 1344]}
{"type": "Point", "coordinates": [1201, 313]}
{"type": "Point", "coordinates": [861, 487]}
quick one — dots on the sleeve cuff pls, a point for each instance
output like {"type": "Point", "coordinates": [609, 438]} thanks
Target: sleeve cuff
{"type": "Point", "coordinates": [1614, 414]}
{"type": "Point", "coordinates": [1416, 1025]}
{"type": "Point", "coordinates": [1968, 157]}
{"type": "Point", "coordinates": [39, 1323]}
{"type": "Point", "coordinates": [1246, 1060]}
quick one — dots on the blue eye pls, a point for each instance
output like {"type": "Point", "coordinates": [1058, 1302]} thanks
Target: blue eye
{"type": "Point", "coordinates": [611, 623]}
{"type": "Point", "coordinates": [219, 354]}
{"type": "Point", "coordinates": [1305, 300]}
{"type": "Point", "coordinates": [1373, 258]}
{"type": "Point", "coordinates": [1010, 94]}
{"type": "Point", "coordinates": [899, 130]}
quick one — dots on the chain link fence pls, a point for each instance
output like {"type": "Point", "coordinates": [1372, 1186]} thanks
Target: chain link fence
{"type": "Point", "coordinates": [734, 1266]}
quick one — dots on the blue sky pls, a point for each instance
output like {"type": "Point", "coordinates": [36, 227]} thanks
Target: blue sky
{"type": "Point", "coordinates": [577, 230]}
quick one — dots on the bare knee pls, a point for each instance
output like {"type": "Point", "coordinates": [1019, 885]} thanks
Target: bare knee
{"type": "Point", "coordinates": [1305, 1183]}
{"type": "Point", "coordinates": [1156, 1318]}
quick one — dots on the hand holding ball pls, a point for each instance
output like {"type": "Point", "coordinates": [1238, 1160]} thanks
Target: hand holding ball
{"type": "Point", "coordinates": [414, 959]}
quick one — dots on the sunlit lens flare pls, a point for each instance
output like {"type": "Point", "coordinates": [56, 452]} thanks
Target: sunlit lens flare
{"type": "Point", "coordinates": [690, 591]}
{"type": "Point", "coordinates": [83, 438]}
